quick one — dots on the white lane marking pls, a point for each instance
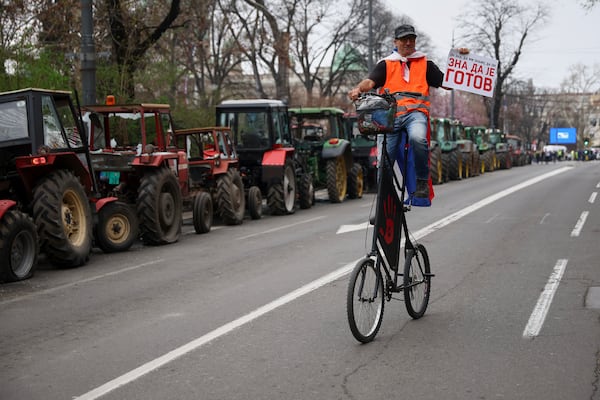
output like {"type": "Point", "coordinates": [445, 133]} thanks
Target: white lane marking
{"type": "Point", "coordinates": [544, 218]}
{"type": "Point", "coordinates": [488, 200]}
{"type": "Point", "coordinates": [225, 329]}
{"type": "Point", "coordinates": [281, 227]}
{"type": "Point", "coordinates": [352, 228]}
{"type": "Point", "coordinates": [79, 282]}
{"type": "Point", "coordinates": [536, 320]}
{"type": "Point", "coordinates": [579, 225]}
{"type": "Point", "coordinates": [222, 330]}
{"type": "Point", "coordinates": [593, 197]}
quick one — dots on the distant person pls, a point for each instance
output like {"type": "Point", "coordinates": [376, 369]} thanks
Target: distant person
{"type": "Point", "coordinates": [407, 70]}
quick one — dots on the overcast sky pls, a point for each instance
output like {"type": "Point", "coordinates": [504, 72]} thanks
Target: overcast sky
{"type": "Point", "coordinates": [571, 36]}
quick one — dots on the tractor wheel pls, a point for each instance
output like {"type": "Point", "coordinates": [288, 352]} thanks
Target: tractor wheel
{"type": "Point", "coordinates": [306, 192]}
{"type": "Point", "coordinates": [117, 227]}
{"type": "Point", "coordinates": [281, 197]}
{"type": "Point", "coordinates": [490, 161]}
{"type": "Point", "coordinates": [255, 202]}
{"type": "Point", "coordinates": [231, 203]}
{"type": "Point", "coordinates": [466, 165]}
{"type": "Point", "coordinates": [159, 207]}
{"type": "Point", "coordinates": [509, 163]}
{"type": "Point", "coordinates": [337, 180]}
{"type": "Point", "coordinates": [63, 218]}
{"type": "Point", "coordinates": [482, 164]}
{"type": "Point", "coordinates": [202, 213]}
{"type": "Point", "coordinates": [476, 168]}
{"type": "Point", "coordinates": [355, 182]}
{"type": "Point", "coordinates": [455, 168]}
{"type": "Point", "coordinates": [436, 166]}
{"type": "Point", "coordinates": [485, 161]}
{"type": "Point", "coordinates": [18, 246]}
{"type": "Point", "coordinates": [503, 161]}
{"type": "Point", "coordinates": [445, 167]}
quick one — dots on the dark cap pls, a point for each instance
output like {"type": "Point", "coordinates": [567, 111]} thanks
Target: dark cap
{"type": "Point", "coordinates": [404, 30]}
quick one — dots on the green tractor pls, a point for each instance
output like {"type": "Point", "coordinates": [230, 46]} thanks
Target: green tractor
{"type": "Point", "coordinates": [318, 136]}
{"type": "Point", "coordinates": [364, 150]}
{"type": "Point", "coordinates": [445, 157]}
{"type": "Point", "coordinates": [467, 149]}
{"type": "Point", "coordinates": [487, 151]}
{"type": "Point", "coordinates": [502, 148]}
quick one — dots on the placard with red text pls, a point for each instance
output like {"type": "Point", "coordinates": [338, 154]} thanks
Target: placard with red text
{"type": "Point", "coordinates": [471, 73]}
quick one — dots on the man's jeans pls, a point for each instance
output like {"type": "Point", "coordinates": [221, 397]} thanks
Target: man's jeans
{"type": "Point", "coordinates": [415, 123]}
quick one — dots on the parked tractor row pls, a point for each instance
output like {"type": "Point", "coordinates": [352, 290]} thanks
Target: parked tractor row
{"type": "Point", "coordinates": [456, 151]}
{"type": "Point", "coordinates": [110, 174]}
{"type": "Point", "coordinates": [290, 153]}
{"type": "Point", "coordinates": [107, 175]}
{"type": "Point", "coordinates": [459, 152]}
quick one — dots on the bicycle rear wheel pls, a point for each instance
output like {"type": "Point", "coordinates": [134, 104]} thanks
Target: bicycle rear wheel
{"type": "Point", "coordinates": [365, 300]}
{"type": "Point", "coordinates": [417, 281]}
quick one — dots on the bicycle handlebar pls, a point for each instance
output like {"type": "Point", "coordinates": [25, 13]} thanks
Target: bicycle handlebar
{"type": "Point", "coordinates": [390, 97]}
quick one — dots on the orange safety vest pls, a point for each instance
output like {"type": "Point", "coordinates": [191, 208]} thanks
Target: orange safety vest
{"type": "Point", "coordinates": [394, 82]}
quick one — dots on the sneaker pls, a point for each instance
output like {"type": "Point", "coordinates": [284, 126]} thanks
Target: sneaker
{"type": "Point", "coordinates": [422, 189]}
{"type": "Point", "coordinates": [372, 219]}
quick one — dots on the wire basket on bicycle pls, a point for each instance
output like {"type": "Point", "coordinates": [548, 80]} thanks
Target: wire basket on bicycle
{"type": "Point", "coordinates": [375, 113]}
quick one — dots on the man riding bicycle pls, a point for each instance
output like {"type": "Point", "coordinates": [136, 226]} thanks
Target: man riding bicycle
{"type": "Point", "coordinates": [407, 70]}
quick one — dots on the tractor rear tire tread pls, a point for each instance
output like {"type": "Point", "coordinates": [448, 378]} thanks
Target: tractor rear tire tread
{"type": "Point", "coordinates": [231, 202]}
{"type": "Point", "coordinates": [202, 213]}
{"type": "Point", "coordinates": [157, 229]}
{"type": "Point", "coordinates": [19, 246]}
{"type": "Point", "coordinates": [281, 199]}
{"type": "Point", "coordinates": [49, 198]}
{"type": "Point", "coordinates": [355, 182]}
{"type": "Point", "coordinates": [306, 191]}
{"type": "Point", "coordinates": [337, 179]}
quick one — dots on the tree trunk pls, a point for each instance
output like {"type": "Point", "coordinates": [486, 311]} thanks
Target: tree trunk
{"type": "Point", "coordinates": [130, 41]}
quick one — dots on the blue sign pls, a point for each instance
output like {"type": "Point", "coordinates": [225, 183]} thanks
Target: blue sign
{"type": "Point", "coordinates": [563, 135]}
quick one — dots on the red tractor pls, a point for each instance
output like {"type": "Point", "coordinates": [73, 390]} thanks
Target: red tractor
{"type": "Point", "coordinates": [132, 161]}
{"type": "Point", "coordinates": [518, 152]}
{"type": "Point", "coordinates": [213, 177]}
{"type": "Point", "coordinates": [263, 142]}
{"type": "Point", "coordinates": [48, 199]}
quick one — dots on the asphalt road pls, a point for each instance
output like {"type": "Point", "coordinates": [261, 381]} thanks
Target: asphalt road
{"type": "Point", "coordinates": [257, 311]}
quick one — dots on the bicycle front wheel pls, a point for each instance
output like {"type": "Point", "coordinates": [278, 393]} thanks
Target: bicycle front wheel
{"type": "Point", "coordinates": [417, 281]}
{"type": "Point", "coordinates": [365, 300]}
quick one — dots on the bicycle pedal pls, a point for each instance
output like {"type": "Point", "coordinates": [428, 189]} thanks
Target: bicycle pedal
{"type": "Point", "coordinates": [429, 275]}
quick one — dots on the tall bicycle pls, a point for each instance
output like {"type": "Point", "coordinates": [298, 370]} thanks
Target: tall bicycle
{"type": "Point", "coordinates": [377, 277]}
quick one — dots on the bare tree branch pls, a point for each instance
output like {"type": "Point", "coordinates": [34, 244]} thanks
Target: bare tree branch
{"type": "Point", "coordinates": [501, 29]}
